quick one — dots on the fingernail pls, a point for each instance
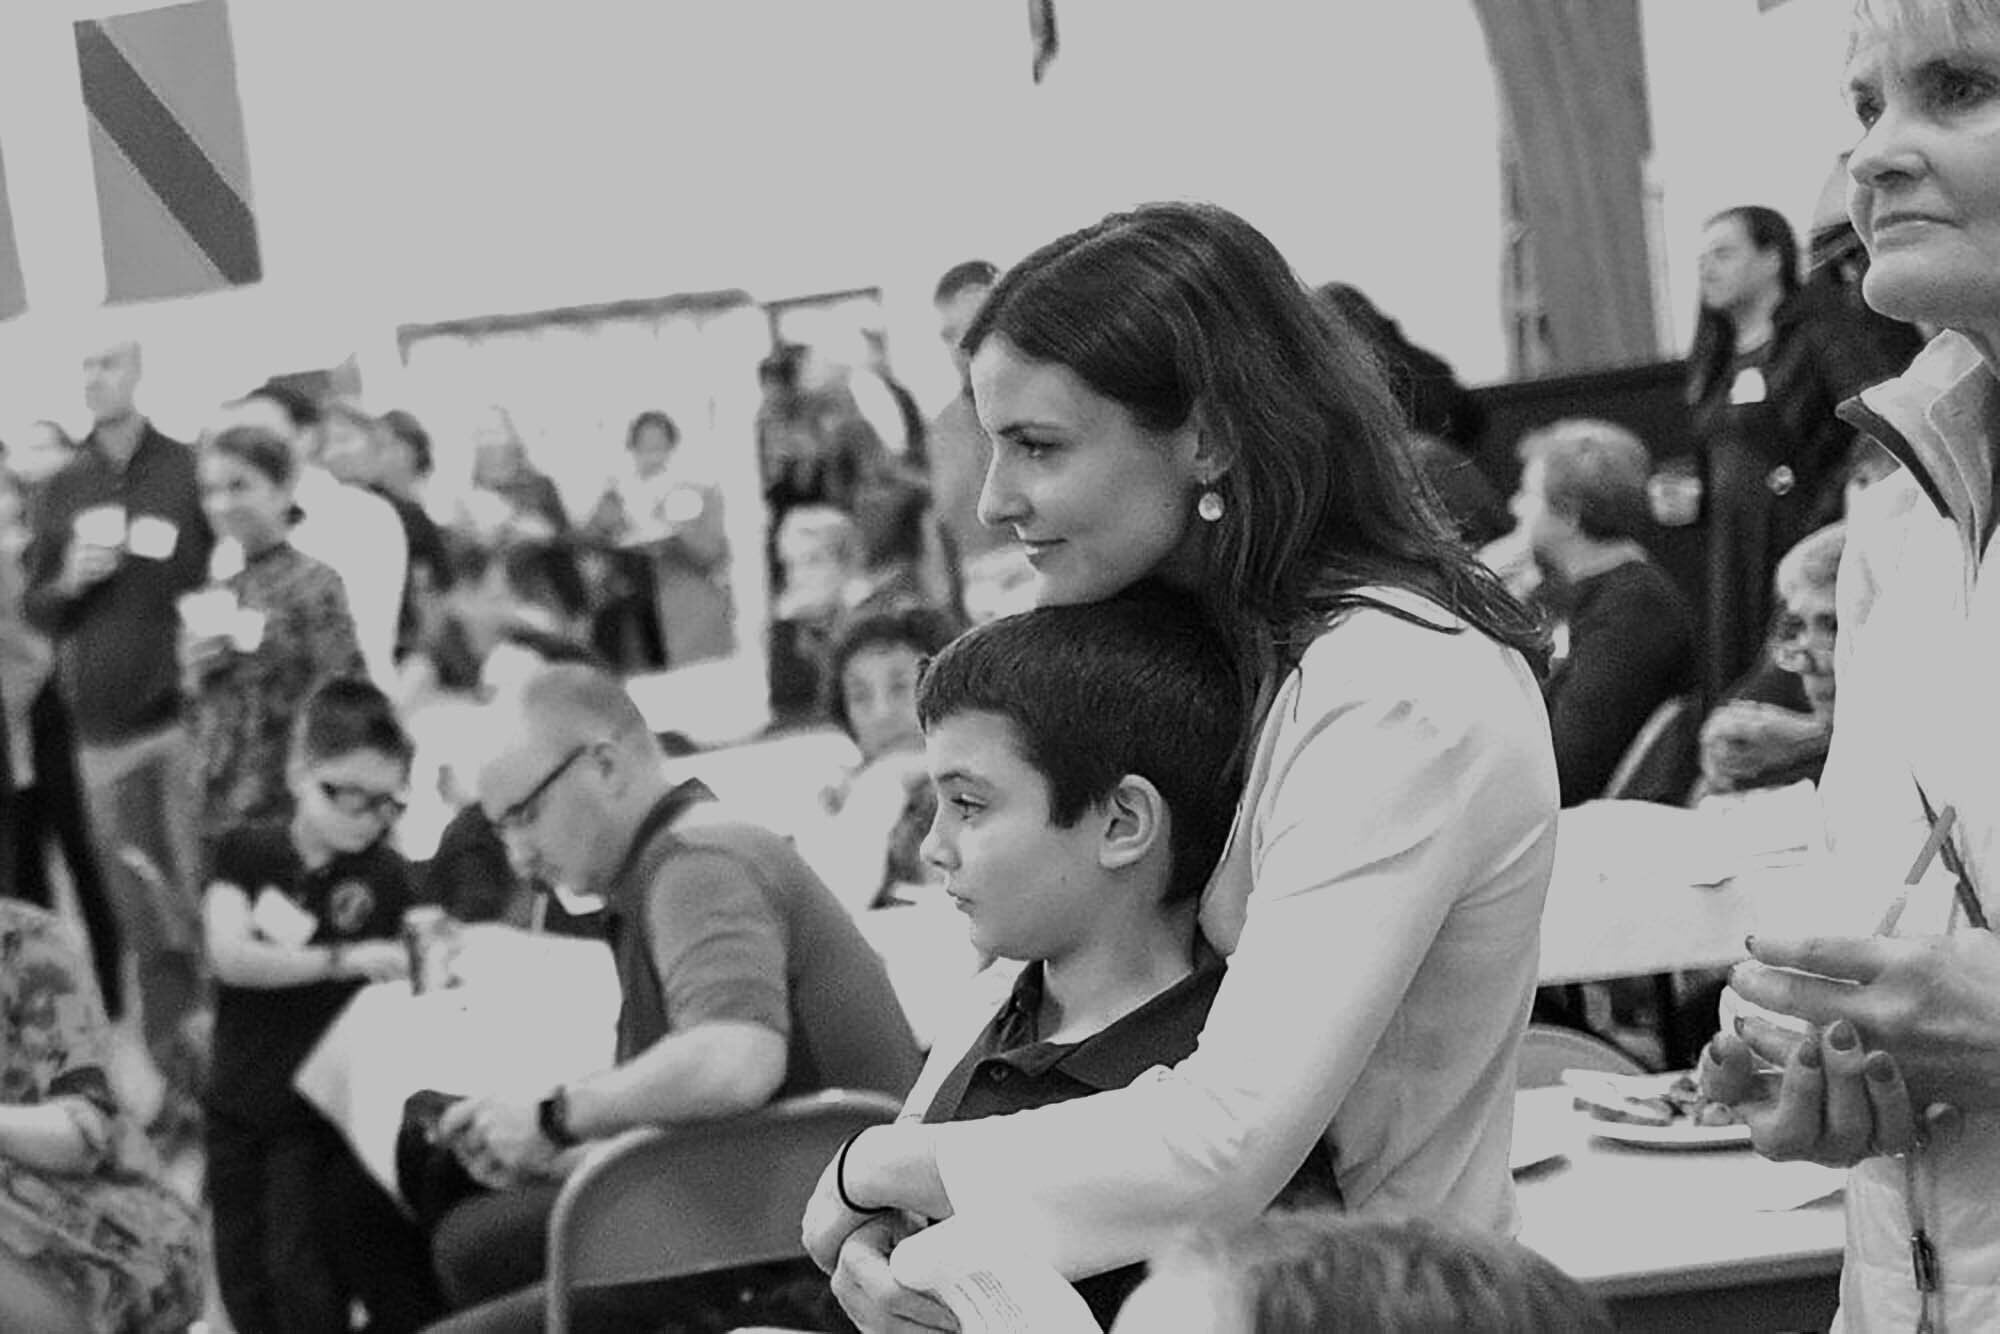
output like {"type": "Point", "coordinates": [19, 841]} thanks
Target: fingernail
{"type": "Point", "coordinates": [1879, 1067]}
{"type": "Point", "coordinates": [1842, 1037]}
{"type": "Point", "coordinates": [1809, 1055]}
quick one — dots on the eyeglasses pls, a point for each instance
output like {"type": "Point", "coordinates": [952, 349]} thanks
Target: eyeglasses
{"type": "Point", "coordinates": [356, 800]}
{"type": "Point", "coordinates": [1797, 640]}
{"type": "Point", "coordinates": [529, 808]}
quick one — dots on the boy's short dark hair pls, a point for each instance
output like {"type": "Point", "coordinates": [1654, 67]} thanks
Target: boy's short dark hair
{"type": "Point", "coordinates": [923, 630]}
{"type": "Point", "coordinates": [345, 714]}
{"type": "Point", "coordinates": [1140, 684]}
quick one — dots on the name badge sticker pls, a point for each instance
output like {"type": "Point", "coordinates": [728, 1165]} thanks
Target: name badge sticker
{"type": "Point", "coordinates": [152, 537]}
{"type": "Point", "coordinates": [1748, 387]}
{"type": "Point", "coordinates": [280, 920]}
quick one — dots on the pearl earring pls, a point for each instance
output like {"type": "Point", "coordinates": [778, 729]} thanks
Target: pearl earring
{"type": "Point", "coordinates": [1210, 506]}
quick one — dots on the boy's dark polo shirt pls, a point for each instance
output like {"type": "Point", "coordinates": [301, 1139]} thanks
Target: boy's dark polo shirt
{"type": "Point", "coordinates": [116, 656]}
{"type": "Point", "coordinates": [263, 1034]}
{"type": "Point", "coordinates": [1008, 1069]}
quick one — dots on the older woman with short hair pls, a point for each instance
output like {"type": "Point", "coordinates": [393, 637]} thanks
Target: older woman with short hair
{"type": "Point", "coordinates": [1898, 1069]}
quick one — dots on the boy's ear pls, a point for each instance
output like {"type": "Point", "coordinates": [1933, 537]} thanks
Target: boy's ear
{"type": "Point", "coordinates": [1135, 822]}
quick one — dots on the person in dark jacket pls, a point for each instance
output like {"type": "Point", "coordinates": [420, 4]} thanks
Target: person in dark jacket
{"type": "Point", "coordinates": [1771, 360]}
{"type": "Point", "coordinates": [1624, 642]}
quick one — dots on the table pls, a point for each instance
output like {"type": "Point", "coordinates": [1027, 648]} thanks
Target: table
{"type": "Point", "coordinates": [1639, 888]}
{"type": "Point", "coordinates": [532, 1011]}
{"type": "Point", "coordinates": [1674, 1241]}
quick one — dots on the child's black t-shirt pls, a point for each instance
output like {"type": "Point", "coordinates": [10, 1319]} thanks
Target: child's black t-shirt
{"type": "Point", "coordinates": [262, 1034]}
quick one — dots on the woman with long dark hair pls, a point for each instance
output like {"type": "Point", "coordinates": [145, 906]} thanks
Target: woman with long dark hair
{"type": "Point", "coordinates": [1167, 400]}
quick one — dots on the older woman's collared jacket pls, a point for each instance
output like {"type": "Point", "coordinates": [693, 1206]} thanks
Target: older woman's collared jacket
{"type": "Point", "coordinates": [1918, 664]}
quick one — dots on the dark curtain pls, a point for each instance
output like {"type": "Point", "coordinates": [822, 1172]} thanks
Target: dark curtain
{"type": "Point", "coordinates": [1572, 78]}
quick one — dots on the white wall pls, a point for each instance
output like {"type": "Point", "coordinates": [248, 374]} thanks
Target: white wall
{"type": "Point", "coordinates": [427, 159]}
{"type": "Point", "coordinates": [1748, 108]}
{"type": "Point", "coordinates": [424, 159]}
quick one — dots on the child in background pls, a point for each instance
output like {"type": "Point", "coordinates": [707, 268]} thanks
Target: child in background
{"type": "Point", "coordinates": [1318, 1269]}
{"type": "Point", "coordinates": [253, 646]}
{"type": "Point", "coordinates": [300, 914]}
{"type": "Point", "coordinates": [878, 812]}
{"type": "Point", "coordinates": [1086, 775]}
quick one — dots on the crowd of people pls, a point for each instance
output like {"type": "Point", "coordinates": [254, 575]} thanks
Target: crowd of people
{"type": "Point", "coordinates": [1174, 653]}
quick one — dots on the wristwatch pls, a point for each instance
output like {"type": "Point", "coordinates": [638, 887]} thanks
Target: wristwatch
{"type": "Point", "coordinates": [552, 1116]}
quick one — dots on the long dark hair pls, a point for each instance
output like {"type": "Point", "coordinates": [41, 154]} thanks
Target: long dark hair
{"type": "Point", "coordinates": [1185, 312]}
{"type": "Point", "coordinates": [1714, 345]}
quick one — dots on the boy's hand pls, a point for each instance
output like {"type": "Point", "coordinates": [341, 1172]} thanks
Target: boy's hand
{"type": "Point", "coordinates": [85, 565]}
{"type": "Point", "coordinates": [376, 960]}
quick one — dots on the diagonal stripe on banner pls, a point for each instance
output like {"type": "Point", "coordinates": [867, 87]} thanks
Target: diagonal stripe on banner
{"type": "Point", "coordinates": [172, 164]}
{"type": "Point", "coordinates": [13, 293]}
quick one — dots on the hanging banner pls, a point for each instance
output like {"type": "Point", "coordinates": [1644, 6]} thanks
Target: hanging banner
{"type": "Point", "coordinates": [13, 292]}
{"type": "Point", "coordinates": [168, 151]}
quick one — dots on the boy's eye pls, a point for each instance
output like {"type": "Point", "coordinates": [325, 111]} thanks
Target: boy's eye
{"type": "Point", "coordinates": [965, 805]}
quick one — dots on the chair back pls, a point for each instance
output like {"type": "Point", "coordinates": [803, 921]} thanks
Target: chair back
{"type": "Point", "coordinates": [1549, 1049]}
{"type": "Point", "coordinates": [1663, 761]}
{"type": "Point", "coordinates": [697, 1198]}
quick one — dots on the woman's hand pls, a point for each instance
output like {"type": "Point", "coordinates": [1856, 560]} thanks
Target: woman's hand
{"type": "Point", "coordinates": [1930, 1002]}
{"type": "Point", "coordinates": [202, 654]}
{"type": "Point", "coordinates": [1818, 1096]}
{"type": "Point", "coordinates": [870, 1294]}
{"type": "Point", "coordinates": [890, 1165]}
{"type": "Point", "coordinates": [1742, 739]}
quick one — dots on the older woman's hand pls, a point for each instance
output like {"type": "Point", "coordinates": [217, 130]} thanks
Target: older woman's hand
{"type": "Point", "coordinates": [1743, 738]}
{"type": "Point", "coordinates": [1930, 1002]}
{"type": "Point", "coordinates": [870, 1294]}
{"type": "Point", "coordinates": [1817, 1096]}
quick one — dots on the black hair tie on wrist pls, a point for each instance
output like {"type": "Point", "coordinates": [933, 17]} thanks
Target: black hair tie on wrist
{"type": "Point", "coordinates": [840, 1179]}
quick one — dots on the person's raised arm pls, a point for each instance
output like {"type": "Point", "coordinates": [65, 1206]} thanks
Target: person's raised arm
{"type": "Point", "coordinates": [1386, 792]}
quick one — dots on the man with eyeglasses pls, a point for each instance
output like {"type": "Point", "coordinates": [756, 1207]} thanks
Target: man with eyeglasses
{"type": "Point", "coordinates": [743, 979]}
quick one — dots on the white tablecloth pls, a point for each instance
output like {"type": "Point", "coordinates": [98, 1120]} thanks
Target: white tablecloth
{"type": "Point", "coordinates": [1626, 1220]}
{"type": "Point", "coordinates": [532, 1012]}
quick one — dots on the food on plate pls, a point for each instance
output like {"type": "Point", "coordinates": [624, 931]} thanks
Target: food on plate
{"type": "Point", "coordinates": [1678, 1102]}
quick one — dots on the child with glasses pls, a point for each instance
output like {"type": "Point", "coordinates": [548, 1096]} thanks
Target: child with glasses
{"type": "Point", "coordinates": [300, 913]}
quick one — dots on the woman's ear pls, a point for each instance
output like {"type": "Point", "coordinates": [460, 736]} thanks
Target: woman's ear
{"type": "Point", "coordinates": [1135, 822]}
{"type": "Point", "coordinates": [1211, 458]}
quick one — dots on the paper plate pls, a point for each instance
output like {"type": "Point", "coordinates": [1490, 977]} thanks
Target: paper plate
{"type": "Point", "coordinates": [1676, 1136]}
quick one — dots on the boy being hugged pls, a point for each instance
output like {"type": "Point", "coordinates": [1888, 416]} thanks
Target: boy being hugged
{"type": "Point", "coordinates": [1087, 776]}
{"type": "Point", "coordinates": [299, 915]}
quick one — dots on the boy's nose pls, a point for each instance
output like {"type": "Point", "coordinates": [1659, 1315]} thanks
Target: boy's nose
{"type": "Point", "coordinates": [933, 850]}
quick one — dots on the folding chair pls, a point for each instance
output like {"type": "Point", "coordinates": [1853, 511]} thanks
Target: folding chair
{"type": "Point", "coordinates": [699, 1198]}
{"type": "Point", "coordinates": [1549, 1049]}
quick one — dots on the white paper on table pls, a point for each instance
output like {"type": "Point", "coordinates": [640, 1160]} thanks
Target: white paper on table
{"type": "Point", "coordinates": [1768, 826]}
{"type": "Point", "coordinates": [989, 1285]}
{"type": "Point", "coordinates": [1603, 841]}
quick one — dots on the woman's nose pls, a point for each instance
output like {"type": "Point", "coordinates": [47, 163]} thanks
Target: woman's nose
{"type": "Point", "coordinates": [999, 501]}
{"type": "Point", "coordinates": [1887, 150]}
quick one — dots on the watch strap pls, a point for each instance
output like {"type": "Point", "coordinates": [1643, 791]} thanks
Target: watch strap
{"type": "Point", "coordinates": [552, 1116]}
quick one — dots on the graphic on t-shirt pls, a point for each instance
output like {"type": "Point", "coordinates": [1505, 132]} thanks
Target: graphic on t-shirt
{"type": "Point", "coordinates": [350, 906]}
